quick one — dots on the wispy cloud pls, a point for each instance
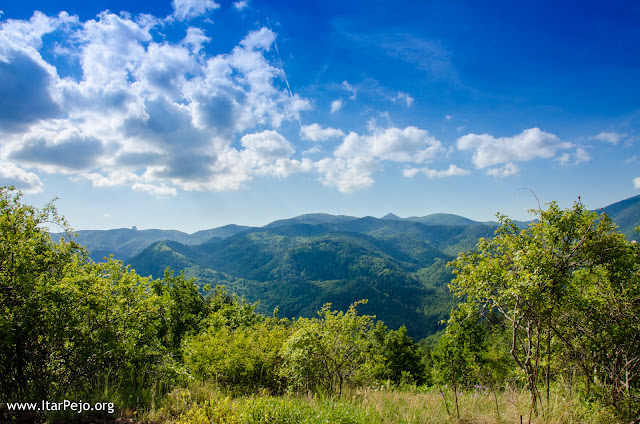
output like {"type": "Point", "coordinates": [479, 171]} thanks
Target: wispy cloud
{"type": "Point", "coordinates": [336, 105]}
{"type": "Point", "coordinates": [240, 5]}
{"type": "Point", "coordinates": [452, 171]}
{"type": "Point", "coordinates": [403, 97]}
{"type": "Point", "coordinates": [315, 132]}
{"type": "Point", "coordinates": [352, 91]}
{"type": "Point", "coordinates": [610, 137]}
{"type": "Point", "coordinates": [184, 10]}
{"type": "Point", "coordinates": [507, 170]}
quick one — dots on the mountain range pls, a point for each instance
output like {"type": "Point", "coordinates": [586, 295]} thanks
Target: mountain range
{"type": "Point", "coordinates": [298, 264]}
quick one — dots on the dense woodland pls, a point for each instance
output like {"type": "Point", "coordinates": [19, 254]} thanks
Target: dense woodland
{"type": "Point", "coordinates": [549, 310]}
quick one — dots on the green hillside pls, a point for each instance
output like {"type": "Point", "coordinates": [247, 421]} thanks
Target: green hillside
{"type": "Point", "coordinates": [123, 243]}
{"type": "Point", "coordinates": [300, 267]}
{"type": "Point", "coordinates": [626, 214]}
{"type": "Point", "coordinates": [300, 263]}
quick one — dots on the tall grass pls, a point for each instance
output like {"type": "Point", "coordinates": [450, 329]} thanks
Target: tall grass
{"type": "Point", "coordinates": [203, 404]}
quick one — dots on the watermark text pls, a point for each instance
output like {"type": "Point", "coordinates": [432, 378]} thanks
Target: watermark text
{"type": "Point", "coordinates": [65, 405]}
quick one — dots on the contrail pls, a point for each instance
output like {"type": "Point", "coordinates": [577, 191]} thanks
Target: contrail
{"type": "Point", "coordinates": [286, 80]}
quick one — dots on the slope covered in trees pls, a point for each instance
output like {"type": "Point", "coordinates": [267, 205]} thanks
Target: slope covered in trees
{"type": "Point", "coordinates": [550, 312]}
{"type": "Point", "coordinates": [298, 268]}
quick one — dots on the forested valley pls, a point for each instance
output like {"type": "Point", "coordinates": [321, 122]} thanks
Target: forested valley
{"type": "Point", "coordinates": [325, 320]}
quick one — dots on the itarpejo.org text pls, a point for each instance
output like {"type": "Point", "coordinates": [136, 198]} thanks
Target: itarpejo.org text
{"type": "Point", "coordinates": [65, 405]}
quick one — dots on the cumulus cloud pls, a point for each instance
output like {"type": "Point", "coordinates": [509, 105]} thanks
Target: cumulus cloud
{"type": "Point", "coordinates": [582, 155]}
{"type": "Point", "coordinates": [610, 137]}
{"type": "Point", "coordinates": [315, 132]}
{"type": "Point", "coordinates": [528, 145]}
{"type": "Point", "coordinates": [240, 5]}
{"type": "Point", "coordinates": [564, 159]}
{"type": "Point", "coordinates": [636, 183]}
{"type": "Point", "coordinates": [393, 144]}
{"type": "Point", "coordinates": [141, 110]}
{"type": "Point", "coordinates": [359, 156]}
{"type": "Point", "coordinates": [579, 156]}
{"type": "Point", "coordinates": [25, 96]}
{"type": "Point", "coordinates": [11, 175]}
{"type": "Point", "coordinates": [452, 171]}
{"type": "Point", "coordinates": [507, 170]}
{"type": "Point", "coordinates": [347, 175]}
{"type": "Point", "coordinates": [67, 150]}
{"type": "Point", "coordinates": [336, 105]}
{"type": "Point", "coordinates": [184, 10]}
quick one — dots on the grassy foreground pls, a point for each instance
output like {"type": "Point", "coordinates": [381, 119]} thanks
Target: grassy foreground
{"type": "Point", "coordinates": [202, 404]}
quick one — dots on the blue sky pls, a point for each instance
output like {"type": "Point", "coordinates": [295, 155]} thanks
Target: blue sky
{"type": "Point", "coordinates": [191, 114]}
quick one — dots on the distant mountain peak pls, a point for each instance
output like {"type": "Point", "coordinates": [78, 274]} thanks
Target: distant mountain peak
{"type": "Point", "coordinates": [392, 216]}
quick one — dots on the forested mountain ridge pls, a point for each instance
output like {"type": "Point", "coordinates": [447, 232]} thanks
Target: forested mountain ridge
{"type": "Point", "coordinates": [299, 267]}
{"type": "Point", "coordinates": [298, 264]}
{"type": "Point", "coordinates": [125, 243]}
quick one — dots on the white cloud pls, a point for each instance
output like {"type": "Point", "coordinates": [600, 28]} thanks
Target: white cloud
{"type": "Point", "coordinates": [507, 170]}
{"type": "Point", "coordinates": [636, 183]}
{"type": "Point", "coordinates": [161, 190]}
{"type": "Point", "coordinates": [266, 146]}
{"type": "Point", "coordinates": [195, 38]}
{"type": "Point", "coordinates": [564, 159]}
{"type": "Point", "coordinates": [141, 110]}
{"type": "Point", "coordinates": [452, 171]}
{"type": "Point", "coordinates": [403, 97]}
{"type": "Point", "coordinates": [315, 132]}
{"type": "Point", "coordinates": [314, 149]}
{"type": "Point", "coordinates": [336, 105]}
{"type": "Point", "coordinates": [359, 156]}
{"type": "Point", "coordinates": [347, 175]}
{"type": "Point", "coordinates": [114, 178]}
{"type": "Point", "coordinates": [184, 10]}
{"type": "Point", "coordinates": [11, 175]}
{"type": "Point", "coordinates": [610, 137]}
{"type": "Point", "coordinates": [528, 145]}
{"type": "Point", "coordinates": [240, 5]}
{"type": "Point", "coordinates": [352, 91]}
{"type": "Point", "coordinates": [582, 155]}
{"type": "Point", "coordinates": [408, 145]}
{"type": "Point", "coordinates": [579, 156]}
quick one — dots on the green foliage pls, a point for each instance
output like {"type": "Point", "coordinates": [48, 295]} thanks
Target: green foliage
{"type": "Point", "coordinates": [395, 357]}
{"type": "Point", "coordinates": [568, 290]}
{"type": "Point", "coordinates": [326, 353]}
{"type": "Point", "coordinates": [244, 359]}
{"type": "Point", "coordinates": [187, 307]}
{"type": "Point", "coordinates": [29, 262]}
{"type": "Point", "coordinates": [69, 325]}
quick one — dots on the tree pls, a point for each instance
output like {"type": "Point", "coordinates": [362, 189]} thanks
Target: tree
{"type": "Point", "coordinates": [187, 307]}
{"type": "Point", "coordinates": [325, 353]}
{"type": "Point", "coordinates": [29, 260]}
{"type": "Point", "coordinates": [68, 325]}
{"type": "Point", "coordinates": [542, 279]}
{"type": "Point", "coordinates": [395, 356]}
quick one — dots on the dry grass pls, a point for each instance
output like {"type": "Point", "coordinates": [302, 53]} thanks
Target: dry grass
{"type": "Point", "coordinates": [206, 404]}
